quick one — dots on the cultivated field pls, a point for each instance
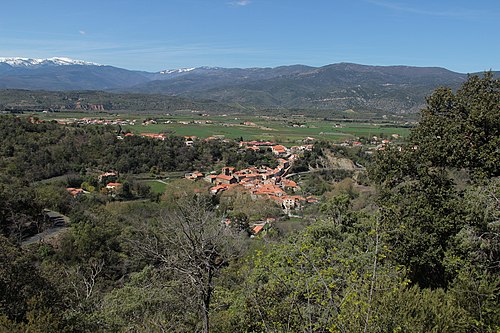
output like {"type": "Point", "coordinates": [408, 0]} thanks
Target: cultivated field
{"type": "Point", "coordinates": [275, 128]}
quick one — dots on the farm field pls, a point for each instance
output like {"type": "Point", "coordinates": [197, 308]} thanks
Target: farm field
{"type": "Point", "coordinates": [275, 128]}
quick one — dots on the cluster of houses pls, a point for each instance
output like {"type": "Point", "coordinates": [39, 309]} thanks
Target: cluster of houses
{"type": "Point", "coordinates": [263, 181]}
{"type": "Point", "coordinates": [108, 179]}
{"type": "Point", "coordinates": [188, 139]}
{"type": "Point", "coordinates": [381, 144]}
{"type": "Point", "coordinates": [94, 121]}
{"type": "Point", "coordinates": [278, 150]}
{"type": "Point", "coordinates": [150, 121]}
{"type": "Point", "coordinates": [375, 142]}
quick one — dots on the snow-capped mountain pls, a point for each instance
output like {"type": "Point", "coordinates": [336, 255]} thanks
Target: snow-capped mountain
{"type": "Point", "coordinates": [177, 71]}
{"type": "Point", "coordinates": [34, 62]}
{"type": "Point", "coordinates": [187, 70]}
{"type": "Point", "coordinates": [61, 73]}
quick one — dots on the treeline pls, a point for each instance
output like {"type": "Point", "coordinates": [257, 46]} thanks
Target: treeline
{"type": "Point", "coordinates": [23, 100]}
{"type": "Point", "coordinates": [419, 254]}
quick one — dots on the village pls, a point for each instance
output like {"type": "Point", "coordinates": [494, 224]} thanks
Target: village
{"type": "Point", "coordinates": [263, 182]}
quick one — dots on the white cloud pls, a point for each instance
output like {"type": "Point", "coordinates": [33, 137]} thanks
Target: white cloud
{"type": "Point", "coordinates": [240, 3]}
{"type": "Point", "coordinates": [82, 32]}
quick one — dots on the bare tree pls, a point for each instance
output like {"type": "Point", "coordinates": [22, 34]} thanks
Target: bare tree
{"type": "Point", "coordinates": [82, 279]}
{"type": "Point", "coordinates": [192, 243]}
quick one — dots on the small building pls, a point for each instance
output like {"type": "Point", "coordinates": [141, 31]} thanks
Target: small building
{"type": "Point", "coordinates": [113, 186]}
{"type": "Point", "coordinates": [75, 192]}
{"type": "Point", "coordinates": [210, 178]}
{"type": "Point", "coordinates": [283, 162]}
{"type": "Point", "coordinates": [161, 137]}
{"type": "Point", "coordinates": [289, 184]}
{"type": "Point", "coordinates": [195, 175]}
{"type": "Point", "coordinates": [225, 179]}
{"type": "Point", "coordinates": [219, 188]}
{"type": "Point", "coordinates": [293, 202]}
{"type": "Point", "coordinates": [189, 140]}
{"type": "Point", "coordinates": [107, 177]}
{"type": "Point", "coordinates": [228, 171]}
{"type": "Point", "coordinates": [312, 199]}
{"type": "Point", "coordinates": [279, 150]}
{"type": "Point", "coordinates": [258, 228]}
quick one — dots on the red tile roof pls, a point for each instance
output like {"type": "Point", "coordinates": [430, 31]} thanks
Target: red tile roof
{"type": "Point", "coordinates": [153, 136]}
{"type": "Point", "coordinates": [218, 188]}
{"type": "Point", "coordinates": [257, 229]}
{"type": "Point", "coordinates": [221, 176]}
{"type": "Point", "coordinates": [279, 148]}
{"type": "Point", "coordinates": [74, 191]}
{"type": "Point", "coordinates": [289, 183]}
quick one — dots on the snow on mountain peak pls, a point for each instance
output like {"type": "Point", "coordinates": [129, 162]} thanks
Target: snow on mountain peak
{"type": "Point", "coordinates": [176, 71]}
{"type": "Point", "coordinates": [34, 62]}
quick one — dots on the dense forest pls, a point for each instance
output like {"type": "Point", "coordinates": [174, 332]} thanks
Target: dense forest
{"type": "Point", "coordinates": [412, 246]}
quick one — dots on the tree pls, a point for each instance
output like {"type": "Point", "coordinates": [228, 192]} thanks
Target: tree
{"type": "Point", "coordinates": [192, 245]}
{"type": "Point", "coordinates": [20, 283]}
{"type": "Point", "coordinates": [420, 200]}
{"type": "Point", "coordinates": [239, 222]}
{"type": "Point", "coordinates": [322, 279]}
{"type": "Point", "coordinates": [237, 201]}
{"type": "Point", "coordinates": [337, 208]}
{"type": "Point", "coordinates": [462, 130]}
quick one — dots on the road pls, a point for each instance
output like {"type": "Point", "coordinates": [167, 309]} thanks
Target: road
{"type": "Point", "coordinates": [44, 236]}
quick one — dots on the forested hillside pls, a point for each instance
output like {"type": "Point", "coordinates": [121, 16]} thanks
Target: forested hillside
{"type": "Point", "coordinates": [411, 246]}
{"type": "Point", "coordinates": [25, 100]}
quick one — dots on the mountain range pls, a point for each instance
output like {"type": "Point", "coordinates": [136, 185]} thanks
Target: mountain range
{"type": "Point", "coordinates": [395, 89]}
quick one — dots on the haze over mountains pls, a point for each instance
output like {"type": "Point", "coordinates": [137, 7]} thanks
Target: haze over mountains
{"type": "Point", "coordinates": [397, 89]}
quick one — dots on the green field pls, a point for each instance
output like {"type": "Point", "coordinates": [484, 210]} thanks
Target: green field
{"type": "Point", "coordinates": [276, 128]}
{"type": "Point", "coordinates": [156, 186]}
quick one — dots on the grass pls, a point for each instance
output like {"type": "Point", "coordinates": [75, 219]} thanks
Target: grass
{"type": "Point", "coordinates": [279, 131]}
{"type": "Point", "coordinates": [275, 128]}
{"type": "Point", "coordinates": [156, 186]}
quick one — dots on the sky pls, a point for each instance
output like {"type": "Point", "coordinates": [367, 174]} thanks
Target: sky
{"type": "Point", "coordinates": [154, 35]}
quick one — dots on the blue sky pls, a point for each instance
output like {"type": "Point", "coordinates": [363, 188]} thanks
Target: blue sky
{"type": "Point", "coordinates": [152, 35]}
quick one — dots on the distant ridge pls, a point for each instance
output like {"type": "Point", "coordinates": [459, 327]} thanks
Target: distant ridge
{"type": "Point", "coordinates": [396, 89]}
{"type": "Point", "coordinates": [34, 62]}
